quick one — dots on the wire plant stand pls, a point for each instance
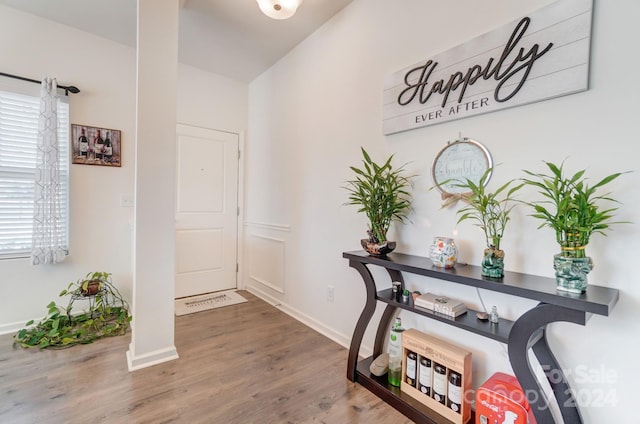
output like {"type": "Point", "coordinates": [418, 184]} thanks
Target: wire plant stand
{"type": "Point", "coordinates": [96, 309]}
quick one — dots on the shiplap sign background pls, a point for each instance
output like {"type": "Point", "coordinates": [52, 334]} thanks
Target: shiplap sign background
{"type": "Point", "coordinates": [546, 53]}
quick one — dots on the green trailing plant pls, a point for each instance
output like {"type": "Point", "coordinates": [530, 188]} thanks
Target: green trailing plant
{"type": "Point", "coordinates": [107, 315]}
{"type": "Point", "coordinates": [488, 210]}
{"type": "Point", "coordinates": [571, 207]}
{"type": "Point", "coordinates": [380, 192]}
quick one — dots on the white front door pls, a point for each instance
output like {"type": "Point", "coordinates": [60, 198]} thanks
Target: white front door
{"type": "Point", "coordinates": [206, 210]}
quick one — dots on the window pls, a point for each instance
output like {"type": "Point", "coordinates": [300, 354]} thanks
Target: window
{"type": "Point", "coordinates": [18, 141]}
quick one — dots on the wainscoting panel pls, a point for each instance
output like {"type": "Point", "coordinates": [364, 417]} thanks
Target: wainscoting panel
{"type": "Point", "coordinates": [266, 259]}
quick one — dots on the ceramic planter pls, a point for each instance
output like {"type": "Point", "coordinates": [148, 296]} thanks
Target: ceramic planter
{"type": "Point", "coordinates": [493, 262]}
{"type": "Point", "coordinates": [443, 252]}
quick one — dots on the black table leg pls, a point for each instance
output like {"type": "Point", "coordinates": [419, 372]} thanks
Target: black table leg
{"type": "Point", "coordinates": [363, 321]}
{"type": "Point", "coordinates": [528, 332]}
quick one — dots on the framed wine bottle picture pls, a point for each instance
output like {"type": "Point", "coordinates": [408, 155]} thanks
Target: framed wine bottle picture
{"type": "Point", "coordinates": [95, 146]}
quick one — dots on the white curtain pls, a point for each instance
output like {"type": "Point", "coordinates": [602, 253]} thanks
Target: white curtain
{"type": "Point", "coordinates": [47, 216]}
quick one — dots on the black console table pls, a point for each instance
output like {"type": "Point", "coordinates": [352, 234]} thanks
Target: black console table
{"type": "Point", "coordinates": [527, 332]}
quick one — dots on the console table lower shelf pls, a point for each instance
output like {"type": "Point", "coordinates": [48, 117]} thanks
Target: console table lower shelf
{"type": "Point", "coordinates": [392, 395]}
{"type": "Point", "coordinates": [526, 334]}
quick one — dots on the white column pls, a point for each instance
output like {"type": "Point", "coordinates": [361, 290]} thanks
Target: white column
{"type": "Point", "coordinates": [152, 339]}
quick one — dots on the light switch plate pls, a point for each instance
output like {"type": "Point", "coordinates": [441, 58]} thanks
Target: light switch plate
{"type": "Point", "coordinates": [126, 201]}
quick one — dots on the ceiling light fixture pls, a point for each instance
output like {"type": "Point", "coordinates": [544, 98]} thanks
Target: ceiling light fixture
{"type": "Point", "coordinates": [279, 9]}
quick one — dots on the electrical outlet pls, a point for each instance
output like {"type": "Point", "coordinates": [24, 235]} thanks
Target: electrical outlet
{"type": "Point", "coordinates": [330, 293]}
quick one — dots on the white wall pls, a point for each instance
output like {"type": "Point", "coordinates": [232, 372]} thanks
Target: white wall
{"type": "Point", "coordinates": [310, 113]}
{"type": "Point", "coordinates": [101, 230]}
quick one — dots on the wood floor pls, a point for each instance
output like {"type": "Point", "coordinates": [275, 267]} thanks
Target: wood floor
{"type": "Point", "coordinates": [246, 363]}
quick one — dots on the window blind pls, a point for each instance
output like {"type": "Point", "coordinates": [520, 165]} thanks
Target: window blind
{"type": "Point", "coordinates": [18, 141]}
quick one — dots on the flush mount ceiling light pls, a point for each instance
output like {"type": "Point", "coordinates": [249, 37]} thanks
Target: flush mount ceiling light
{"type": "Point", "coordinates": [279, 9]}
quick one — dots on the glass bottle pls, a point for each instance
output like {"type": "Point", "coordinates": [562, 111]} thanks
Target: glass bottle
{"type": "Point", "coordinates": [410, 375]}
{"type": "Point", "coordinates": [83, 144]}
{"type": "Point", "coordinates": [98, 145]}
{"type": "Point", "coordinates": [493, 316]}
{"type": "Point", "coordinates": [395, 353]}
{"type": "Point", "coordinates": [108, 149]}
{"type": "Point", "coordinates": [439, 383]}
{"type": "Point", "coordinates": [425, 375]}
{"type": "Point", "coordinates": [454, 391]}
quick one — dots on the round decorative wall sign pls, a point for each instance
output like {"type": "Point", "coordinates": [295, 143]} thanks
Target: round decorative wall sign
{"type": "Point", "coordinates": [458, 161]}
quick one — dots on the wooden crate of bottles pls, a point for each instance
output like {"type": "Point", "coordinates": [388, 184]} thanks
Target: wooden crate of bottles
{"type": "Point", "coordinates": [438, 374]}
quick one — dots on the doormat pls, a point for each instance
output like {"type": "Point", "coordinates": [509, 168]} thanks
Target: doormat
{"type": "Point", "coordinates": [204, 302]}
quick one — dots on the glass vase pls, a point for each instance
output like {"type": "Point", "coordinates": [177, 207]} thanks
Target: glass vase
{"type": "Point", "coordinates": [443, 252]}
{"type": "Point", "coordinates": [571, 272]}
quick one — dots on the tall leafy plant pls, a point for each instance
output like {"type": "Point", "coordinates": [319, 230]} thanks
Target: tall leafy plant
{"type": "Point", "coordinates": [380, 192]}
{"type": "Point", "coordinates": [571, 207]}
{"type": "Point", "coordinates": [488, 210]}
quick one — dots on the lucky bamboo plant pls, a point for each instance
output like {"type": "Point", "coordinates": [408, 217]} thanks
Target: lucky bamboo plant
{"type": "Point", "coordinates": [486, 209]}
{"type": "Point", "coordinates": [571, 207]}
{"type": "Point", "coordinates": [489, 211]}
{"type": "Point", "coordinates": [380, 192]}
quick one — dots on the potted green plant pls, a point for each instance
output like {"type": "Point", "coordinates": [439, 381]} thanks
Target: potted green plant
{"type": "Point", "coordinates": [575, 211]}
{"type": "Point", "coordinates": [489, 211]}
{"type": "Point", "coordinates": [107, 314]}
{"type": "Point", "coordinates": [380, 192]}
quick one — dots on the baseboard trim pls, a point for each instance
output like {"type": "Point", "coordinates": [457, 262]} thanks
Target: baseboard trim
{"type": "Point", "coordinates": [310, 322]}
{"type": "Point", "coordinates": [13, 327]}
{"type": "Point", "coordinates": [149, 359]}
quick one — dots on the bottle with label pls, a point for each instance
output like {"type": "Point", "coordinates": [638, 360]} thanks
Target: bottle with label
{"type": "Point", "coordinates": [98, 145]}
{"type": "Point", "coordinates": [440, 383]}
{"type": "Point", "coordinates": [454, 391]}
{"type": "Point", "coordinates": [412, 367]}
{"type": "Point", "coordinates": [108, 149]}
{"type": "Point", "coordinates": [424, 376]}
{"type": "Point", "coordinates": [395, 354]}
{"type": "Point", "coordinates": [83, 144]}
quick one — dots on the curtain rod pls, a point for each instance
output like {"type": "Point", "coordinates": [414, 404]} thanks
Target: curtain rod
{"type": "Point", "coordinates": [67, 88]}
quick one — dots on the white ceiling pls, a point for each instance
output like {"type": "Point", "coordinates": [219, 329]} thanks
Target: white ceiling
{"type": "Point", "coordinates": [227, 37]}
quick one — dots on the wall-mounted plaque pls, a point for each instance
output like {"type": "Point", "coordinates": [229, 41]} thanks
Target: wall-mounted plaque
{"type": "Point", "coordinates": [540, 56]}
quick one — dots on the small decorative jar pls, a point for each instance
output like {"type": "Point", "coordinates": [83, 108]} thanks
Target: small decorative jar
{"type": "Point", "coordinates": [443, 252]}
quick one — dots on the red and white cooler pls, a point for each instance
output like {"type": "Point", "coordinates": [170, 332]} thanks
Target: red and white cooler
{"type": "Point", "coordinates": [501, 400]}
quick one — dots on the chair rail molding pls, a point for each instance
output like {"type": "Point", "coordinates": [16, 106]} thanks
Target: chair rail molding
{"type": "Point", "coordinates": [267, 226]}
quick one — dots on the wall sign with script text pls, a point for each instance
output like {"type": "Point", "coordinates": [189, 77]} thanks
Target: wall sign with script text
{"type": "Point", "coordinates": [540, 56]}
